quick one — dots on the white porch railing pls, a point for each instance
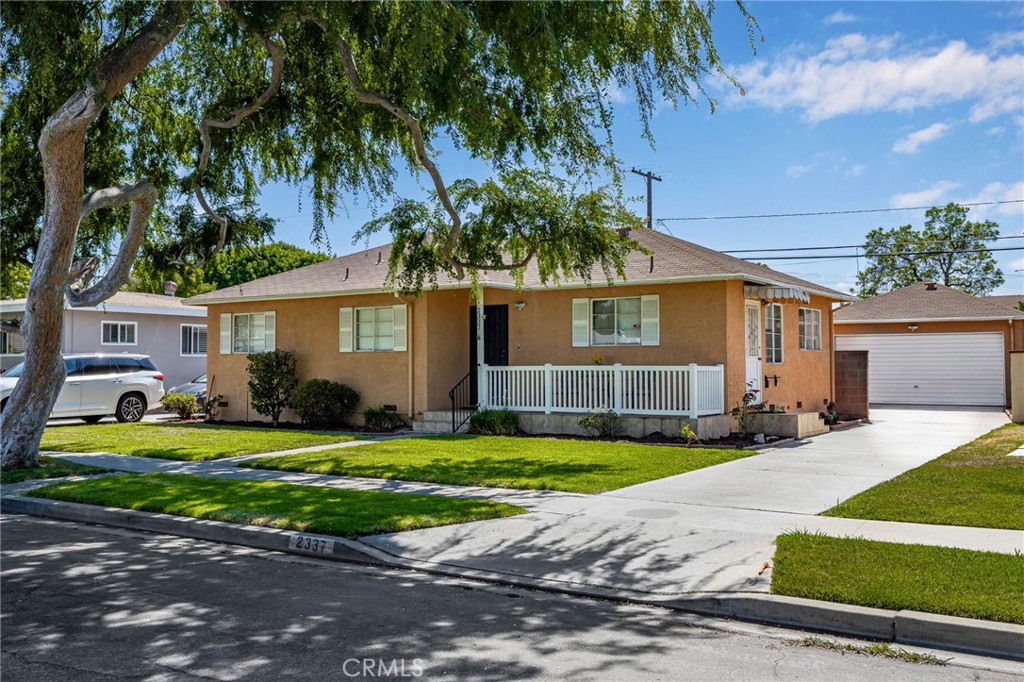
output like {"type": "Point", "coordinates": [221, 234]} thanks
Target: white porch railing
{"type": "Point", "coordinates": [678, 390]}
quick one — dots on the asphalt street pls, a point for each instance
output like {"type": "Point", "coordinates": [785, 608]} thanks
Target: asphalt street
{"type": "Point", "coordinates": [88, 603]}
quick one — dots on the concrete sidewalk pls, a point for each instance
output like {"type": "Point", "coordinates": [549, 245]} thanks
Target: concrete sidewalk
{"type": "Point", "coordinates": [710, 530]}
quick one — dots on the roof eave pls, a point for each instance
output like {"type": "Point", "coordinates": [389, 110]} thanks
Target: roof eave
{"type": "Point", "coordinates": [1008, 318]}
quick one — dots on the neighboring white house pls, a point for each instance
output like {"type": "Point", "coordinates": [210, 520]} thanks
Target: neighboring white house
{"type": "Point", "coordinates": [172, 334]}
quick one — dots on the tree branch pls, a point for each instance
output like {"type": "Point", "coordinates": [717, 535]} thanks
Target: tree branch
{"type": "Point", "coordinates": [234, 119]}
{"type": "Point", "coordinates": [143, 198]}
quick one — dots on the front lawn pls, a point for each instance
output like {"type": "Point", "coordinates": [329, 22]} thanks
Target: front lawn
{"type": "Point", "coordinates": [49, 467]}
{"type": "Point", "coordinates": [312, 509]}
{"type": "Point", "coordinates": [978, 484]}
{"type": "Point", "coordinates": [192, 442]}
{"type": "Point", "coordinates": [504, 462]}
{"type": "Point", "coordinates": [955, 582]}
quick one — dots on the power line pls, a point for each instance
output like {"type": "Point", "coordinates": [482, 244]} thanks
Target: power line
{"type": "Point", "coordinates": [847, 246]}
{"type": "Point", "coordinates": [820, 213]}
{"type": "Point", "coordinates": [882, 255]}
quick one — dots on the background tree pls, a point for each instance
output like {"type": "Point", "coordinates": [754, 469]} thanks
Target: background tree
{"type": "Point", "coordinates": [122, 96]}
{"type": "Point", "coordinates": [949, 250]}
{"type": "Point", "coordinates": [14, 279]}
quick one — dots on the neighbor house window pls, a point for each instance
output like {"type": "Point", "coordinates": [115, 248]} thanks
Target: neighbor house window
{"type": "Point", "coordinates": [810, 329]}
{"type": "Point", "coordinates": [193, 339]}
{"type": "Point", "coordinates": [11, 343]}
{"type": "Point", "coordinates": [247, 332]}
{"type": "Point", "coordinates": [773, 333]}
{"type": "Point", "coordinates": [381, 328]}
{"type": "Point", "coordinates": [119, 333]}
{"type": "Point", "coordinates": [615, 321]}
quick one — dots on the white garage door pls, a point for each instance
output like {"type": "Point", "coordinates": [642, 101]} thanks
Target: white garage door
{"type": "Point", "coordinates": [932, 369]}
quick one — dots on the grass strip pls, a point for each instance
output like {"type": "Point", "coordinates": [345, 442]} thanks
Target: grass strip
{"type": "Point", "coordinates": [49, 467]}
{"type": "Point", "coordinates": [886, 575]}
{"type": "Point", "coordinates": [189, 442]}
{"type": "Point", "coordinates": [978, 484]}
{"type": "Point", "coordinates": [576, 466]}
{"type": "Point", "coordinates": [313, 509]}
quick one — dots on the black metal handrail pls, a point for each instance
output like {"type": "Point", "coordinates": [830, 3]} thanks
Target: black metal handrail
{"type": "Point", "coordinates": [463, 406]}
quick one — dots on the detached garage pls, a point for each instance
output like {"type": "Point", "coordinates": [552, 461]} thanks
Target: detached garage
{"type": "Point", "coordinates": [931, 345]}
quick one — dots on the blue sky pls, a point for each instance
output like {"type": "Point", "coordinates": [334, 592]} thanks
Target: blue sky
{"type": "Point", "coordinates": [858, 105]}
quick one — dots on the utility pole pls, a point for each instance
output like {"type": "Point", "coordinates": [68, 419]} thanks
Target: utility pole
{"type": "Point", "coordinates": [650, 176]}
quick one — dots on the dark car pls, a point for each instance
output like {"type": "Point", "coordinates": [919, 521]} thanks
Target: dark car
{"type": "Point", "coordinates": [196, 387]}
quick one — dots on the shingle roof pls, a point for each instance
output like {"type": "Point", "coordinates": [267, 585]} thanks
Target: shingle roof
{"type": "Point", "coordinates": [365, 271]}
{"type": "Point", "coordinates": [134, 299]}
{"type": "Point", "coordinates": [919, 302]}
{"type": "Point", "coordinates": [1008, 301]}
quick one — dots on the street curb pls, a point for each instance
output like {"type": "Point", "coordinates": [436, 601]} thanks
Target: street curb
{"type": "Point", "coordinates": [1003, 640]}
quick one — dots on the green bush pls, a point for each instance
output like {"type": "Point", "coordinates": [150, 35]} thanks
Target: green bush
{"type": "Point", "coordinates": [272, 382]}
{"type": "Point", "coordinates": [380, 418]}
{"type": "Point", "coordinates": [322, 402]}
{"type": "Point", "coordinates": [502, 422]}
{"type": "Point", "coordinates": [184, 405]}
{"type": "Point", "coordinates": [602, 423]}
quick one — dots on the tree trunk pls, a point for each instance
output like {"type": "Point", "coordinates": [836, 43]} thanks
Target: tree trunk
{"type": "Point", "coordinates": [62, 146]}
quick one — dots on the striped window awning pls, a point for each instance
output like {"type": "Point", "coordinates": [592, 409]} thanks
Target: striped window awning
{"type": "Point", "coordinates": [777, 293]}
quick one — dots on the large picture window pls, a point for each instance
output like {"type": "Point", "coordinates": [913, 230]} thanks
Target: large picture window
{"type": "Point", "coordinates": [119, 333]}
{"type": "Point", "coordinates": [615, 322]}
{"type": "Point", "coordinates": [773, 333]}
{"type": "Point", "coordinates": [810, 329]}
{"type": "Point", "coordinates": [193, 339]}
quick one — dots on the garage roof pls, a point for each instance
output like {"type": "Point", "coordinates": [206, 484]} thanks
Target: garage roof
{"type": "Point", "coordinates": [922, 302]}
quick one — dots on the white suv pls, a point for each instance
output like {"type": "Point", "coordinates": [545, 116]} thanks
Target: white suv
{"type": "Point", "coordinates": [98, 385]}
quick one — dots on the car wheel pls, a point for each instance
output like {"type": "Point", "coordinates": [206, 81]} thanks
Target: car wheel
{"type": "Point", "coordinates": [130, 408]}
{"type": "Point", "coordinates": [92, 419]}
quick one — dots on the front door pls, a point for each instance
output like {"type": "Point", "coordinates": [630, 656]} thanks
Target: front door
{"type": "Point", "coordinates": [495, 341]}
{"type": "Point", "coordinates": [753, 344]}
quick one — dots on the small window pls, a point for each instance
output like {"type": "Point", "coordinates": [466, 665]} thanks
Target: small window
{"type": "Point", "coordinates": [98, 366]}
{"type": "Point", "coordinates": [250, 333]}
{"type": "Point", "coordinates": [773, 333]}
{"type": "Point", "coordinates": [193, 339]}
{"type": "Point", "coordinates": [375, 328]}
{"type": "Point", "coordinates": [810, 329]}
{"type": "Point", "coordinates": [615, 322]}
{"type": "Point", "coordinates": [11, 343]}
{"type": "Point", "coordinates": [119, 334]}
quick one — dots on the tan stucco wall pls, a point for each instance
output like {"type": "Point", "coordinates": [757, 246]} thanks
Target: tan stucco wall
{"type": "Point", "coordinates": [701, 322]}
{"type": "Point", "coordinates": [310, 328]}
{"type": "Point", "coordinates": [1013, 334]}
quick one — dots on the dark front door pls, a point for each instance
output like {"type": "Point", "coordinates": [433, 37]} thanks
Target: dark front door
{"type": "Point", "coordinates": [495, 341]}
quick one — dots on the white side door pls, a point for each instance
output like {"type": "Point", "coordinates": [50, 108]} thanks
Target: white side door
{"type": "Point", "coordinates": [69, 400]}
{"type": "Point", "coordinates": [99, 387]}
{"type": "Point", "coordinates": [752, 312]}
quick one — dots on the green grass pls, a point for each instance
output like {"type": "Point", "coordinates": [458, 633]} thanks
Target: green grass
{"type": "Point", "coordinates": [347, 513]}
{"type": "Point", "coordinates": [506, 462]}
{"type": "Point", "coordinates": [49, 467]}
{"type": "Point", "coordinates": [194, 442]}
{"type": "Point", "coordinates": [882, 649]}
{"type": "Point", "coordinates": [955, 582]}
{"type": "Point", "coordinates": [978, 484]}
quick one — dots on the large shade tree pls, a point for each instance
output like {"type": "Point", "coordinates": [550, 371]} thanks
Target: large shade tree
{"type": "Point", "coordinates": [121, 115]}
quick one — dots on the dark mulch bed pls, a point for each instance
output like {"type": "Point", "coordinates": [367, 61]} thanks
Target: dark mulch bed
{"type": "Point", "coordinates": [287, 426]}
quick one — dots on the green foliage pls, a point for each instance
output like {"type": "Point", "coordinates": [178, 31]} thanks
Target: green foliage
{"type": "Point", "coordinates": [688, 434]}
{"type": "Point", "coordinates": [184, 442]}
{"type": "Point", "coordinates": [322, 402]}
{"type": "Point", "coordinates": [604, 423]}
{"type": "Point", "coordinates": [892, 265]}
{"type": "Point", "coordinates": [244, 264]}
{"type": "Point", "coordinates": [184, 405]}
{"type": "Point", "coordinates": [502, 422]}
{"type": "Point", "coordinates": [747, 405]}
{"type": "Point", "coordinates": [14, 278]}
{"type": "Point", "coordinates": [272, 382]}
{"type": "Point", "coordinates": [885, 575]}
{"type": "Point", "coordinates": [380, 418]}
{"type": "Point", "coordinates": [312, 509]}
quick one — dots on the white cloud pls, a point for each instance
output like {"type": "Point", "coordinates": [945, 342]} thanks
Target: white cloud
{"type": "Point", "coordinates": [1008, 40]}
{"type": "Point", "coordinates": [841, 17]}
{"type": "Point", "coordinates": [856, 170]}
{"type": "Point", "coordinates": [796, 170]}
{"type": "Point", "coordinates": [855, 73]}
{"type": "Point", "coordinates": [925, 197]}
{"type": "Point", "coordinates": [997, 191]}
{"type": "Point", "coordinates": [915, 140]}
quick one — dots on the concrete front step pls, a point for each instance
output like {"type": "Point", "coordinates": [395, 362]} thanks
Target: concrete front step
{"type": "Point", "coordinates": [436, 421]}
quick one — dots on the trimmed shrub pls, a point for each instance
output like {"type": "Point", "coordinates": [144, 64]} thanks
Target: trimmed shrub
{"type": "Point", "coordinates": [322, 402]}
{"type": "Point", "coordinates": [271, 382]}
{"type": "Point", "coordinates": [502, 422]}
{"type": "Point", "coordinates": [380, 418]}
{"type": "Point", "coordinates": [184, 405]}
{"type": "Point", "coordinates": [602, 423]}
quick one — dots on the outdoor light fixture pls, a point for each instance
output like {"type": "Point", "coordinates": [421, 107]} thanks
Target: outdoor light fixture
{"type": "Point", "coordinates": [519, 305]}
{"type": "Point", "coordinates": [912, 327]}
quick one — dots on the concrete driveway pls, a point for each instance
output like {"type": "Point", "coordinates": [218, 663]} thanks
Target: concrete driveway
{"type": "Point", "coordinates": [712, 530]}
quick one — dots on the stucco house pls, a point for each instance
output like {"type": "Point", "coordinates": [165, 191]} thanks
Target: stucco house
{"type": "Point", "coordinates": [680, 338]}
{"type": "Point", "coordinates": [172, 334]}
{"type": "Point", "coordinates": [931, 345]}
